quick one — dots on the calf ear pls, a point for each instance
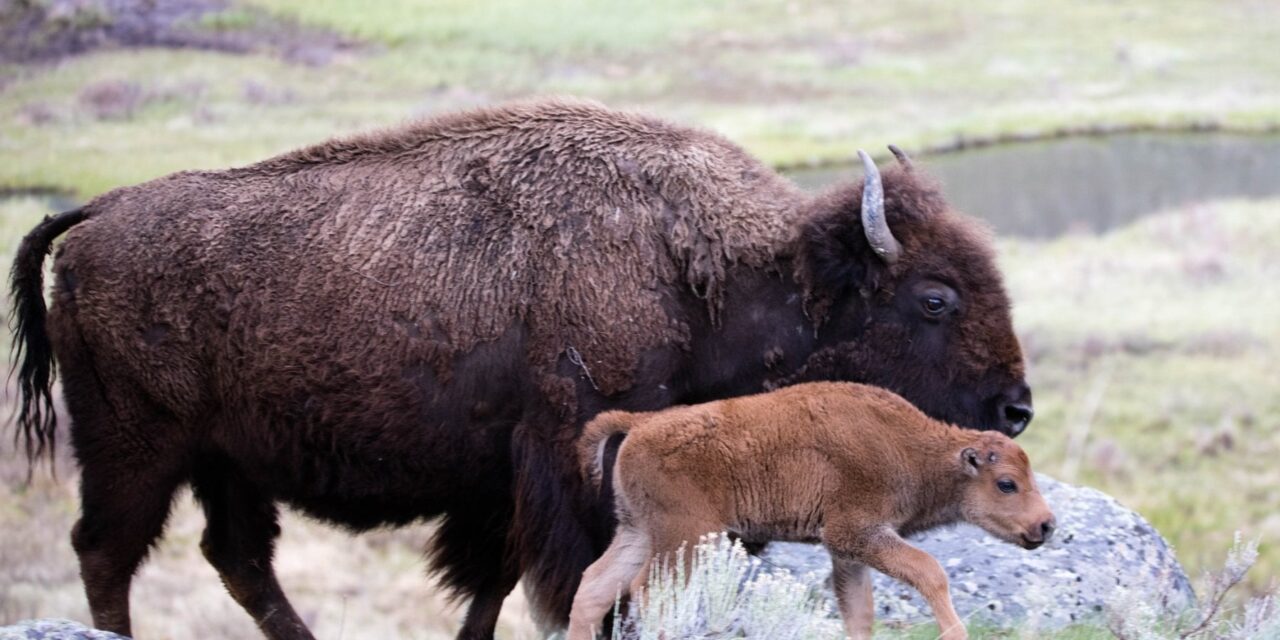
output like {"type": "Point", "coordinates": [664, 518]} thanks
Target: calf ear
{"type": "Point", "coordinates": [970, 461]}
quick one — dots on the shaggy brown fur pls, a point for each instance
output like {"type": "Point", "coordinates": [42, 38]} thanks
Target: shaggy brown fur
{"type": "Point", "coordinates": [416, 324]}
{"type": "Point", "coordinates": [852, 466]}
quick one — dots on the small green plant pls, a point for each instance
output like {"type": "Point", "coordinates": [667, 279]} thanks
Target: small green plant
{"type": "Point", "coordinates": [229, 20]}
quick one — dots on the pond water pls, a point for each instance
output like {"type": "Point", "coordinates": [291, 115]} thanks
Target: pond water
{"type": "Point", "coordinates": [52, 199]}
{"type": "Point", "coordinates": [1044, 189]}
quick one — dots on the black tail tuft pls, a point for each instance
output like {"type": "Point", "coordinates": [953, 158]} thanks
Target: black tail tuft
{"type": "Point", "coordinates": [32, 353]}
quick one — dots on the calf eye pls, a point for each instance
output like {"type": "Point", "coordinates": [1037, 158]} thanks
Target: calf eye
{"type": "Point", "coordinates": [1006, 486]}
{"type": "Point", "coordinates": [933, 305]}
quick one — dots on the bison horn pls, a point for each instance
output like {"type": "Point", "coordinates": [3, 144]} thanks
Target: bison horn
{"type": "Point", "coordinates": [873, 223]}
{"type": "Point", "coordinates": [903, 158]}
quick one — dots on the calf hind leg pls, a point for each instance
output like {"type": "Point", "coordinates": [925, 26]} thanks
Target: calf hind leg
{"type": "Point", "coordinates": [239, 541]}
{"type": "Point", "coordinates": [606, 579]}
{"type": "Point", "coordinates": [852, 581]}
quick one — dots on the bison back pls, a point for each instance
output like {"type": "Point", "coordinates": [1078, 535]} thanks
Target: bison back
{"type": "Point", "coordinates": [364, 295]}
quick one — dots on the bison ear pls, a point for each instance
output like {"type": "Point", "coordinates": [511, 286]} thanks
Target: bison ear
{"type": "Point", "coordinates": [970, 461]}
{"type": "Point", "coordinates": [836, 259]}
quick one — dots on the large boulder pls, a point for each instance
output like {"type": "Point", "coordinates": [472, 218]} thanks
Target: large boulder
{"type": "Point", "coordinates": [54, 629]}
{"type": "Point", "coordinates": [1100, 547]}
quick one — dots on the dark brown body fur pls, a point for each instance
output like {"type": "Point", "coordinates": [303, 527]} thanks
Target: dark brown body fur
{"type": "Point", "coordinates": [417, 323]}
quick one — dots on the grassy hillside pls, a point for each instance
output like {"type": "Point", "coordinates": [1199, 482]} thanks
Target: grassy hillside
{"type": "Point", "coordinates": [1152, 354]}
{"type": "Point", "coordinates": [794, 82]}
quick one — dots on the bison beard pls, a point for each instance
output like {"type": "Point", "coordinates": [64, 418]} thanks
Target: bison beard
{"type": "Point", "coordinates": [416, 324]}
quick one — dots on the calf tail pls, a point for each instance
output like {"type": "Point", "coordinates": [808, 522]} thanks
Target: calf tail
{"type": "Point", "coordinates": [591, 444]}
{"type": "Point", "coordinates": [32, 354]}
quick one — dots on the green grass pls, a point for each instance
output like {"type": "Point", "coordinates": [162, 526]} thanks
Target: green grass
{"type": "Point", "coordinates": [545, 28]}
{"type": "Point", "coordinates": [930, 632]}
{"type": "Point", "coordinates": [794, 82]}
{"type": "Point", "coordinates": [1153, 354]}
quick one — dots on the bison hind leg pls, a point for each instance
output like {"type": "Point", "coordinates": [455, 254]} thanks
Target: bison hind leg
{"type": "Point", "coordinates": [239, 541]}
{"type": "Point", "coordinates": [117, 527]}
{"type": "Point", "coordinates": [126, 491]}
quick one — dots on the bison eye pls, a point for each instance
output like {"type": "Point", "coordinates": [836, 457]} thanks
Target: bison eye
{"type": "Point", "coordinates": [934, 306]}
{"type": "Point", "coordinates": [936, 299]}
{"type": "Point", "coordinates": [1006, 486]}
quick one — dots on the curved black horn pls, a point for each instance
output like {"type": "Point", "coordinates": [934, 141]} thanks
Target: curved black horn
{"type": "Point", "coordinates": [903, 158]}
{"type": "Point", "coordinates": [873, 223]}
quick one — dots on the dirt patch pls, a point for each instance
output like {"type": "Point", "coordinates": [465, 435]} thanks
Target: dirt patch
{"type": "Point", "coordinates": [43, 30]}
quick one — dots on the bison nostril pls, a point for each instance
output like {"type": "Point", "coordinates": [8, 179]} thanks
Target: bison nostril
{"type": "Point", "coordinates": [1018, 415]}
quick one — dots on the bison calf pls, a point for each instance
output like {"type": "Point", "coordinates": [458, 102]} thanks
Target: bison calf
{"type": "Point", "coordinates": [853, 466]}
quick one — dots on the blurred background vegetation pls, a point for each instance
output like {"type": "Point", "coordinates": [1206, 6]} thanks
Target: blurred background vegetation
{"type": "Point", "coordinates": [1126, 152]}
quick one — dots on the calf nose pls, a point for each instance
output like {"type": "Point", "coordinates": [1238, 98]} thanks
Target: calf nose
{"type": "Point", "coordinates": [1046, 529]}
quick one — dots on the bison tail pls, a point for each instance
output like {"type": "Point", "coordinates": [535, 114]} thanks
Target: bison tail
{"type": "Point", "coordinates": [591, 444]}
{"type": "Point", "coordinates": [32, 353]}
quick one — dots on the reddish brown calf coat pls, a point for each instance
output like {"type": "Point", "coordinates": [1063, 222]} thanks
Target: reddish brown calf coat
{"type": "Point", "coordinates": [852, 466]}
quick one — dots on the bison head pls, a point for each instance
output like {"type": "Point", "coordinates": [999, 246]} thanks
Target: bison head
{"type": "Point", "coordinates": [907, 296]}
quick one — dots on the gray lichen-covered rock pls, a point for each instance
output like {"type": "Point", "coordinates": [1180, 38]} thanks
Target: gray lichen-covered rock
{"type": "Point", "coordinates": [1099, 547]}
{"type": "Point", "coordinates": [54, 630]}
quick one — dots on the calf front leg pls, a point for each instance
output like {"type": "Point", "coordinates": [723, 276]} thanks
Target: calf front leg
{"type": "Point", "coordinates": [882, 549]}
{"type": "Point", "coordinates": [852, 582]}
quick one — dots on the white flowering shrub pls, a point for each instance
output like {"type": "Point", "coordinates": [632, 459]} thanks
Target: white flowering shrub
{"type": "Point", "coordinates": [1132, 617]}
{"type": "Point", "coordinates": [725, 593]}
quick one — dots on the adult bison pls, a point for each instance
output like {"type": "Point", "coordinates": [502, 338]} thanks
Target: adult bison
{"type": "Point", "coordinates": [417, 323]}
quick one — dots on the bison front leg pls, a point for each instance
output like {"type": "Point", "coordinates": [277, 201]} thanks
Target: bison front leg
{"type": "Point", "coordinates": [239, 541]}
{"type": "Point", "coordinates": [474, 553]}
{"type": "Point", "coordinates": [882, 549]}
{"type": "Point", "coordinates": [852, 582]}
{"type": "Point", "coordinates": [481, 620]}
